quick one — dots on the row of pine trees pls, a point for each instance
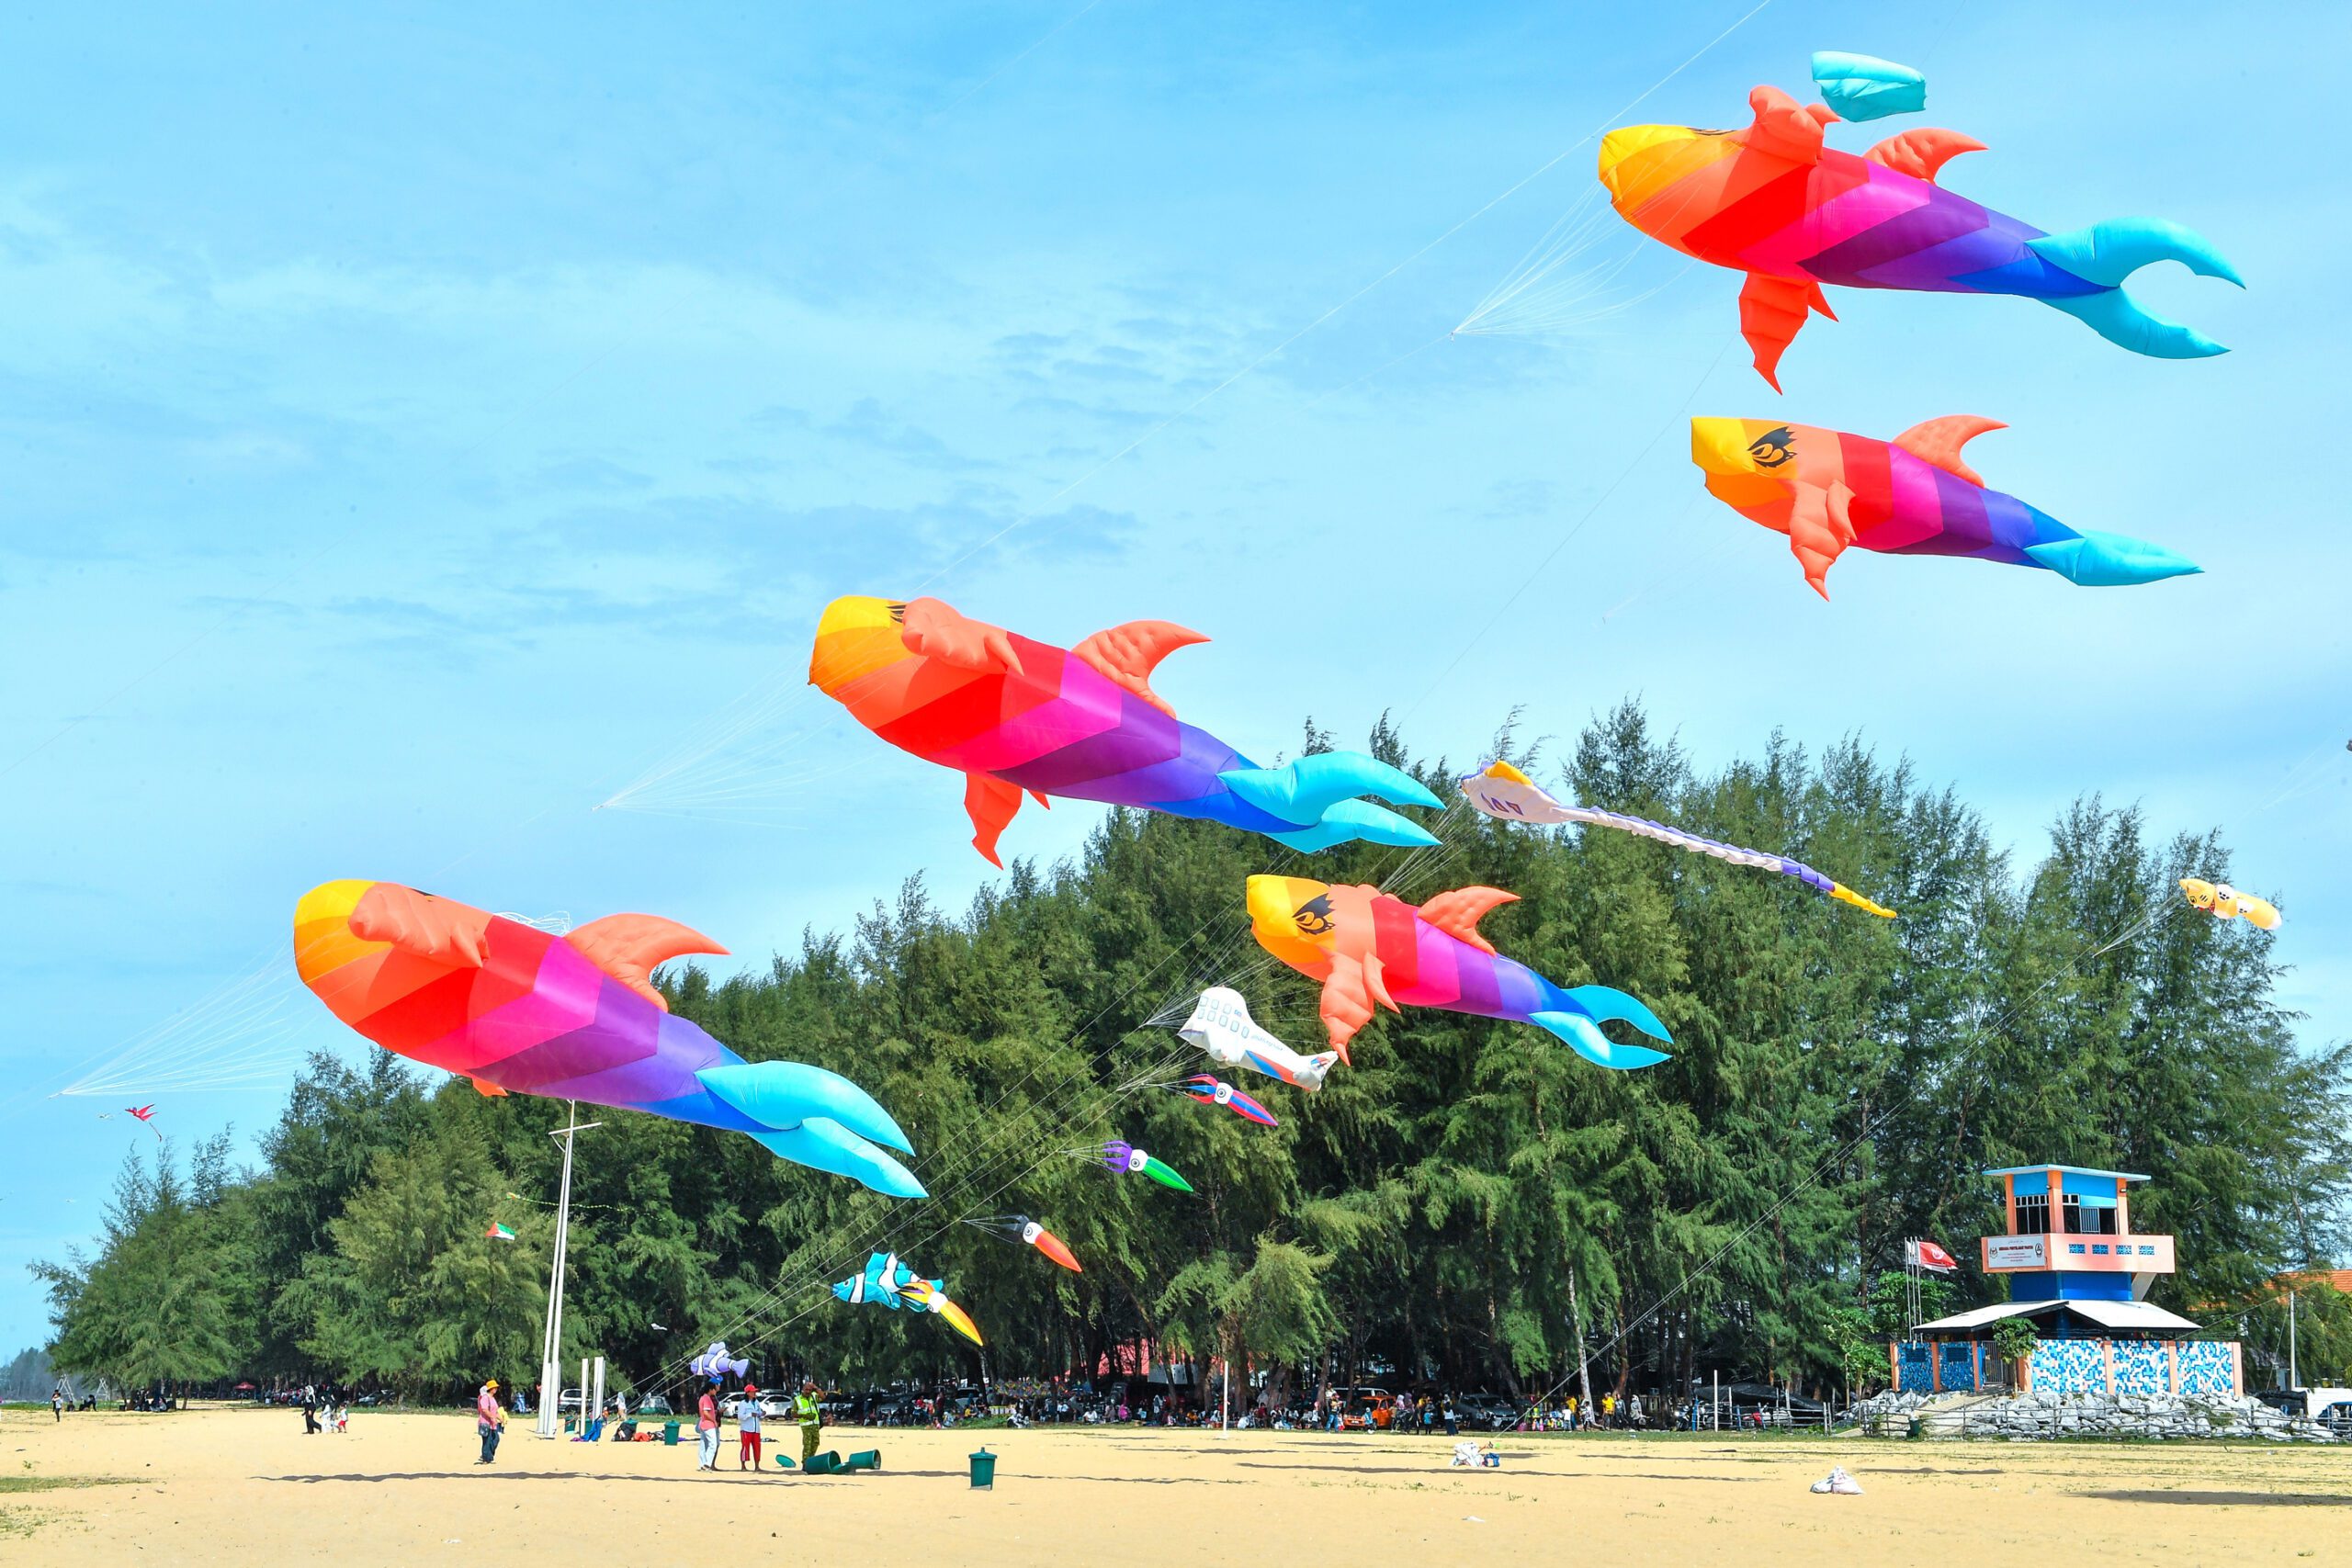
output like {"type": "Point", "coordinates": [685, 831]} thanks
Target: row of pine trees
{"type": "Point", "coordinates": [1468, 1204]}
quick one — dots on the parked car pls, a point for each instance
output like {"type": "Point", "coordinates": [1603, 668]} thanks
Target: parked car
{"type": "Point", "coordinates": [1485, 1413]}
{"type": "Point", "coordinates": [2332, 1406]}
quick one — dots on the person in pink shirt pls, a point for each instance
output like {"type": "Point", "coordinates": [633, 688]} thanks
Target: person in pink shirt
{"type": "Point", "coordinates": [489, 1420]}
{"type": "Point", "coordinates": [707, 1427]}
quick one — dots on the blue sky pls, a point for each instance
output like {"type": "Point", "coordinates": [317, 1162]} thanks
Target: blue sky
{"type": "Point", "coordinates": [419, 428]}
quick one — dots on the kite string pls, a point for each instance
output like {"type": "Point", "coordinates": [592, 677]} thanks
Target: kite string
{"type": "Point", "coordinates": [2151, 911]}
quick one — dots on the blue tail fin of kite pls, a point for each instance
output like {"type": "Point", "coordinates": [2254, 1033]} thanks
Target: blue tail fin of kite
{"type": "Point", "coordinates": [1585, 1036]}
{"type": "Point", "coordinates": [1350, 820]}
{"type": "Point", "coordinates": [1303, 791]}
{"type": "Point", "coordinates": [2107, 253]}
{"type": "Point", "coordinates": [825, 1146]}
{"type": "Point", "coordinates": [785, 1094]}
{"type": "Point", "coordinates": [2110, 561]}
{"type": "Point", "coordinates": [1607, 1001]}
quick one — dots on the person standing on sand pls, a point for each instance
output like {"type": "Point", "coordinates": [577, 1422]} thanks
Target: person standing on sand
{"type": "Point", "coordinates": [57, 1404]}
{"type": "Point", "coordinates": [489, 1420]}
{"type": "Point", "coordinates": [707, 1427]}
{"type": "Point", "coordinates": [747, 1429]}
{"type": "Point", "coordinates": [810, 1418]}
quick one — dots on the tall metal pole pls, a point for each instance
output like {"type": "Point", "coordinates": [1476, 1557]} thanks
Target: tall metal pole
{"type": "Point", "coordinates": [2294, 1375]}
{"type": "Point", "coordinates": [551, 1342]}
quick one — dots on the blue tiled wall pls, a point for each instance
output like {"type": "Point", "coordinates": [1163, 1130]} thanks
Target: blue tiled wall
{"type": "Point", "coordinates": [2141, 1367]}
{"type": "Point", "coordinates": [2070, 1366]}
{"type": "Point", "coordinates": [1912, 1375]}
{"type": "Point", "coordinates": [2205, 1367]}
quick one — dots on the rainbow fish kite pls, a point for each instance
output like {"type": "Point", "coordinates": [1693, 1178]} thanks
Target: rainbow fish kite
{"type": "Point", "coordinates": [1910, 496]}
{"type": "Point", "coordinates": [1502, 791]}
{"type": "Point", "coordinates": [521, 1011]}
{"type": "Point", "coordinates": [1369, 948]}
{"type": "Point", "coordinates": [1083, 723]}
{"type": "Point", "coordinates": [1771, 201]}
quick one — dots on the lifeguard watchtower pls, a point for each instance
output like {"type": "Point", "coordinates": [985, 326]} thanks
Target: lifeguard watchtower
{"type": "Point", "coordinates": [2081, 1275]}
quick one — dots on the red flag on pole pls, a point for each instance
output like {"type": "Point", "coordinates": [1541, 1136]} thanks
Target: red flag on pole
{"type": "Point", "coordinates": [1929, 1256]}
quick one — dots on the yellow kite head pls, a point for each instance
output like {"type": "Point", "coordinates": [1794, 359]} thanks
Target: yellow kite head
{"type": "Point", "coordinates": [1293, 919]}
{"type": "Point", "coordinates": [1753, 462]}
{"type": "Point", "coordinates": [1637, 160]}
{"type": "Point", "coordinates": [857, 635]}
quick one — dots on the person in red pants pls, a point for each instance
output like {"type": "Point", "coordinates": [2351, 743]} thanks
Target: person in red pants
{"type": "Point", "coordinates": [747, 1426]}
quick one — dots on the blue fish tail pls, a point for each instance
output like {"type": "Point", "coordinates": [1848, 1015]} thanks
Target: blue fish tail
{"type": "Point", "coordinates": [1585, 1037]}
{"type": "Point", "coordinates": [785, 1094]}
{"type": "Point", "coordinates": [1606, 1001]}
{"type": "Point", "coordinates": [2107, 253]}
{"type": "Point", "coordinates": [2110, 561]}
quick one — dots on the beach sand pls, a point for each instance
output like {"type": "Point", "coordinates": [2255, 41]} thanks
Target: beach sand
{"type": "Point", "coordinates": [243, 1486]}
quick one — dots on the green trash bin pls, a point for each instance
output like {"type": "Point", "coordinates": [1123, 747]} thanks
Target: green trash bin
{"type": "Point", "coordinates": [670, 1433]}
{"type": "Point", "coordinates": [983, 1471]}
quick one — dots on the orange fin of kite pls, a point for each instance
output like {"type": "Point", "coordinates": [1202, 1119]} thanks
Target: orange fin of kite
{"type": "Point", "coordinates": [1784, 128]}
{"type": "Point", "coordinates": [1938, 441]}
{"type": "Point", "coordinates": [438, 929]}
{"type": "Point", "coordinates": [935, 630]}
{"type": "Point", "coordinates": [1921, 152]}
{"type": "Point", "coordinates": [990, 803]}
{"type": "Point", "coordinates": [1457, 913]}
{"type": "Point", "coordinates": [1771, 310]}
{"type": "Point", "coordinates": [487, 1090]}
{"type": "Point", "coordinates": [1125, 656]}
{"type": "Point", "coordinates": [1820, 527]}
{"type": "Point", "coordinates": [1349, 994]}
{"type": "Point", "coordinates": [631, 947]}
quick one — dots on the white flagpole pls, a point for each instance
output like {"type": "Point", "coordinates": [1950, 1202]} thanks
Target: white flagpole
{"type": "Point", "coordinates": [552, 1341]}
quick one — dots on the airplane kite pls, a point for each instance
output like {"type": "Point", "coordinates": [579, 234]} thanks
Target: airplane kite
{"type": "Point", "coordinates": [1910, 496]}
{"type": "Point", "coordinates": [2224, 902]}
{"type": "Point", "coordinates": [1222, 1027]}
{"type": "Point", "coordinates": [1770, 201]}
{"type": "Point", "coordinates": [1502, 791]}
{"type": "Point", "coordinates": [1118, 1155]}
{"type": "Point", "coordinates": [574, 1017]}
{"type": "Point", "coordinates": [1022, 1231]}
{"type": "Point", "coordinates": [1014, 715]}
{"type": "Point", "coordinates": [1370, 949]}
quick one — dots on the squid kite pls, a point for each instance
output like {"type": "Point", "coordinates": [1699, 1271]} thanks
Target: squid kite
{"type": "Point", "coordinates": [1771, 201]}
{"type": "Point", "coordinates": [1211, 1090]}
{"type": "Point", "coordinates": [2224, 902]}
{"type": "Point", "coordinates": [1017, 716]}
{"type": "Point", "coordinates": [1912, 496]}
{"type": "Point", "coordinates": [1502, 791]}
{"type": "Point", "coordinates": [1118, 1155]}
{"type": "Point", "coordinates": [522, 1011]}
{"type": "Point", "coordinates": [1222, 1027]}
{"type": "Point", "coordinates": [1369, 948]}
{"type": "Point", "coordinates": [1022, 1231]}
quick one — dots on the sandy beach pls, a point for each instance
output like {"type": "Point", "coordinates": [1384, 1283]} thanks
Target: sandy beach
{"type": "Point", "coordinates": [248, 1486]}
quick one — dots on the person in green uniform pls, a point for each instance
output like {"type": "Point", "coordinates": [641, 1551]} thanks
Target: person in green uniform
{"type": "Point", "coordinates": [810, 1418]}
